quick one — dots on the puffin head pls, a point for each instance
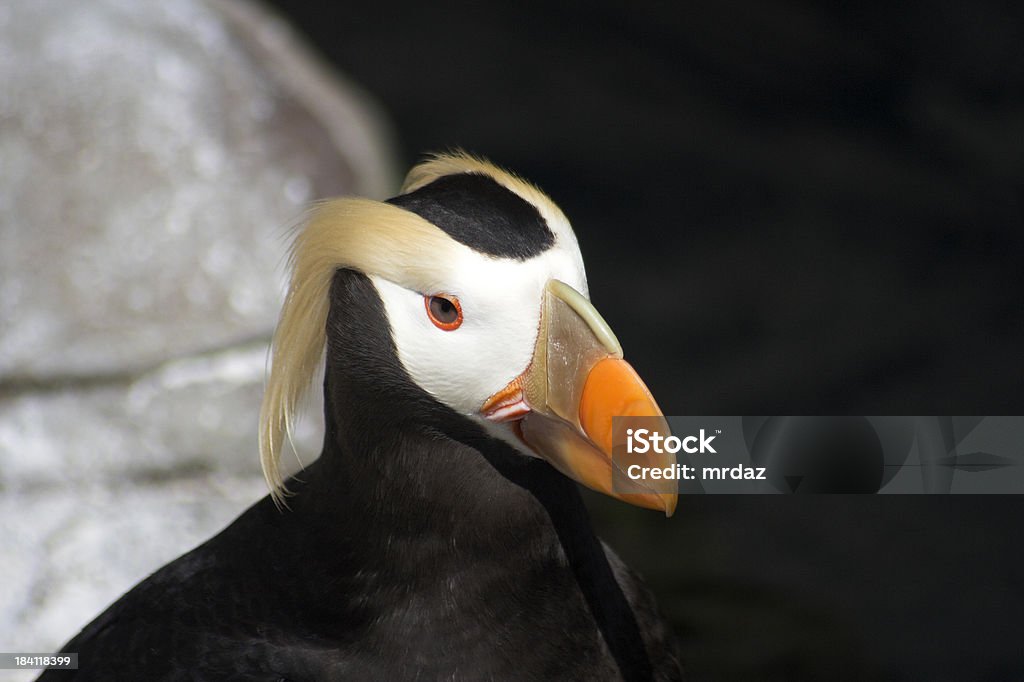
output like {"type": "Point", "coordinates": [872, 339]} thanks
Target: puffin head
{"type": "Point", "coordinates": [485, 293]}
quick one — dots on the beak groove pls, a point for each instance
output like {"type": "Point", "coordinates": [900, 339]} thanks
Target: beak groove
{"type": "Point", "coordinates": [507, 404]}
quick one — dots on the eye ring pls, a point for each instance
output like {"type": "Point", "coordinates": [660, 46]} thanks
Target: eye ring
{"type": "Point", "coordinates": [444, 310]}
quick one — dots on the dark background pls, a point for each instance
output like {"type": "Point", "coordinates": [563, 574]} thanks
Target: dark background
{"type": "Point", "coordinates": [784, 209]}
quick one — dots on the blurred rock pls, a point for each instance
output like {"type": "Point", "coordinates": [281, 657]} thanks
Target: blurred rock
{"type": "Point", "coordinates": [70, 556]}
{"type": "Point", "coordinates": [196, 415]}
{"type": "Point", "coordinates": [152, 159]}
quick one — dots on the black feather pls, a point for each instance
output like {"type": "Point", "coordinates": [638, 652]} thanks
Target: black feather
{"type": "Point", "coordinates": [416, 547]}
{"type": "Point", "coordinates": [479, 212]}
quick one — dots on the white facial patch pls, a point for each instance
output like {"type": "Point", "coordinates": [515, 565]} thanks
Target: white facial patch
{"type": "Point", "coordinates": [501, 306]}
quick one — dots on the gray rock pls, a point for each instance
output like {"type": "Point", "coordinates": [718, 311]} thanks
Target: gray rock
{"type": "Point", "coordinates": [69, 556]}
{"type": "Point", "coordinates": [192, 416]}
{"type": "Point", "coordinates": [152, 157]}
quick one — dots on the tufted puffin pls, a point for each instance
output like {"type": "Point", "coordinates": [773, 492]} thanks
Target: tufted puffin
{"type": "Point", "coordinates": [468, 385]}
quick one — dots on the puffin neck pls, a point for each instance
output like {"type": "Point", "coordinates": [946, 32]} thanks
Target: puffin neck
{"type": "Point", "coordinates": [405, 483]}
{"type": "Point", "coordinates": [395, 456]}
{"type": "Point", "coordinates": [451, 496]}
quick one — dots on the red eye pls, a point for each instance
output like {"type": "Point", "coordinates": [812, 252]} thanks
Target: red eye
{"type": "Point", "coordinates": [444, 311]}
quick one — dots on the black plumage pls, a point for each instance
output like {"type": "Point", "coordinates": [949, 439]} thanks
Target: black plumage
{"type": "Point", "coordinates": [415, 547]}
{"type": "Point", "coordinates": [476, 210]}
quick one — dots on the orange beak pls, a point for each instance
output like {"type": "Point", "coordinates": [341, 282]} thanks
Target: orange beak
{"type": "Point", "coordinates": [565, 400]}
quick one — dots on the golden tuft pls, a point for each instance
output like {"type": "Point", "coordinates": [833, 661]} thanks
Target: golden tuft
{"type": "Point", "coordinates": [371, 237]}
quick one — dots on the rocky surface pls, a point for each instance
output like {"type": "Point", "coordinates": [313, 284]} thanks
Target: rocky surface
{"type": "Point", "coordinates": [152, 163]}
{"type": "Point", "coordinates": [152, 159]}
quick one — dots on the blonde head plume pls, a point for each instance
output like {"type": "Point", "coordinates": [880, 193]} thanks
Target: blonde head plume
{"type": "Point", "coordinates": [371, 237]}
{"type": "Point", "coordinates": [374, 238]}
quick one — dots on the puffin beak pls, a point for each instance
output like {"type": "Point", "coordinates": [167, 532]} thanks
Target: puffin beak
{"type": "Point", "coordinates": [563, 404]}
